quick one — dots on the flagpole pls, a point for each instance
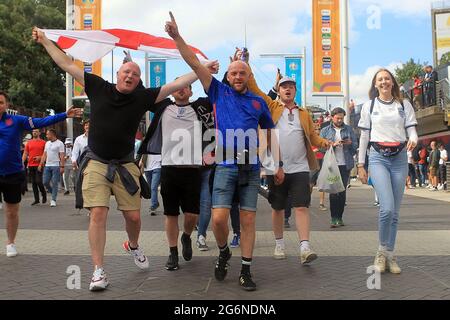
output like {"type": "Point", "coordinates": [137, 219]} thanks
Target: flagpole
{"type": "Point", "coordinates": [69, 79]}
{"type": "Point", "coordinates": [345, 76]}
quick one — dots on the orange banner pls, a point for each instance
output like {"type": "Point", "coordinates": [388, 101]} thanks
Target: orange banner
{"type": "Point", "coordinates": [87, 16]}
{"type": "Point", "coordinates": [326, 47]}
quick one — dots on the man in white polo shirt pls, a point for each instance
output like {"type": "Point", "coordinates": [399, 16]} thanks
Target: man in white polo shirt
{"type": "Point", "coordinates": [53, 158]}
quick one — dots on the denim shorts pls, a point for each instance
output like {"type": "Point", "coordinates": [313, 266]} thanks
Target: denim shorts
{"type": "Point", "coordinates": [225, 183]}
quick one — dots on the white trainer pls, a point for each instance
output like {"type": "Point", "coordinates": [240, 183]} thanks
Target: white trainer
{"type": "Point", "coordinates": [53, 203]}
{"type": "Point", "coordinates": [279, 253]}
{"type": "Point", "coordinates": [201, 243]}
{"type": "Point", "coordinates": [99, 281]}
{"type": "Point", "coordinates": [139, 258]}
{"type": "Point", "coordinates": [11, 250]}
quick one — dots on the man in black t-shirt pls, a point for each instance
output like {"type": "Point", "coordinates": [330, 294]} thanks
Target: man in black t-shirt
{"type": "Point", "coordinates": [110, 169]}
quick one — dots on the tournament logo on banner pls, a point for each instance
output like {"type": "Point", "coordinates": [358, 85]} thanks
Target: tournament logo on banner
{"type": "Point", "coordinates": [326, 48]}
{"type": "Point", "coordinates": [157, 73]}
{"type": "Point", "coordinates": [87, 16]}
{"type": "Point", "coordinates": [294, 71]}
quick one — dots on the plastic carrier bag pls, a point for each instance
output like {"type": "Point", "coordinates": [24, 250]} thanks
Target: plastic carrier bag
{"type": "Point", "coordinates": [329, 179]}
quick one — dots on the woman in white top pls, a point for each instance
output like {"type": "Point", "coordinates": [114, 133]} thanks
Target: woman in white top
{"type": "Point", "coordinates": [386, 121]}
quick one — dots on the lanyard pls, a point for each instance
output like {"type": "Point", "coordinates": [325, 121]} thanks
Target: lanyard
{"type": "Point", "coordinates": [291, 115]}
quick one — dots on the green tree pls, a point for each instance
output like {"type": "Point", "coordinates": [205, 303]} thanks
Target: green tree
{"type": "Point", "coordinates": [27, 73]}
{"type": "Point", "coordinates": [408, 70]}
{"type": "Point", "coordinates": [445, 59]}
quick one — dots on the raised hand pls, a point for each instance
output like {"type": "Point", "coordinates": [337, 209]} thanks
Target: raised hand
{"type": "Point", "coordinates": [278, 78]}
{"type": "Point", "coordinates": [75, 112]}
{"type": "Point", "coordinates": [213, 66]}
{"type": "Point", "coordinates": [38, 35]}
{"type": "Point", "coordinates": [171, 27]}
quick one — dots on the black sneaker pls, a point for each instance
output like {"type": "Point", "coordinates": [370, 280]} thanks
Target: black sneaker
{"type": "Point", "coordinates": [44, 198]}
{"type": "Point", "coordinates": [66, 193]}
{"type": "Point", "coordinates": [246, 282]}
{"type": "Point", "coordinates": [221, 268]}
{"type": "Point", "coordinates": [186, 244]}
{"type": "Point", "coordinates": [35, 203]}
{"type": "Point", "coordinates": [172, 263]}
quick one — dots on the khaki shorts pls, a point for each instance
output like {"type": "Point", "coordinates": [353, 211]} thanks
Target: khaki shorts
{"type": "Point", "coordinates": [97, 190]}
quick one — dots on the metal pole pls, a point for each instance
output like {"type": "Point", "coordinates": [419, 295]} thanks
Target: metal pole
{"type": "Point", "coordinates": [147, 85]}
{"type": "Point", "coordinates": [304, 77]}
{"type": "Point", "coordinates": [345, 74]}
{"type": "Point", "coordinates": [69, 79]}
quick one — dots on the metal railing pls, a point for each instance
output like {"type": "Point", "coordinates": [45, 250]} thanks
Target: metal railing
{"type": "Point", "coordinates": [12, 112]}
{"type": "Point", "coordinates": [443, 93]}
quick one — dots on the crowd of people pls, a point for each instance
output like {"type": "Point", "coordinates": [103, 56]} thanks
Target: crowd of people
{"type": "Point", "coordinates": [207, 170]}
{"type": "Point", "coordinates": [423, 90]}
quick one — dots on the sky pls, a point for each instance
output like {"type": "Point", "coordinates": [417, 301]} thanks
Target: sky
{"type": "Point", "coordinates": [383, 33]}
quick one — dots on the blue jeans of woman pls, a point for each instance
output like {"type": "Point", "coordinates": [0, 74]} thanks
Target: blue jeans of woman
{"type": "Point", "coordinates": [423, 174]}
{"type": "Point", "coordinates": [388, 176]}
{"type": "Point", "coordinates": [153, 179]}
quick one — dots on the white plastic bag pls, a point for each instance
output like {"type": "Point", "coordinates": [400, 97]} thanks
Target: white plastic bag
{"type": "Point", "coordinates": [330, 179]}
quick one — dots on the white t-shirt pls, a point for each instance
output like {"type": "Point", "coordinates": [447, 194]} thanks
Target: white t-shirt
{"type": "Point", "coordinates": [444, 155]}
{"type": "Point", "coordinates": [68, 162]}
{"type": "Point", "coordinates": [153, 162]}
{"type": "Point", "coordinates": [292, 142]}
{"type": "Point", "coordinates": [182, 137]}
{"type": "Point", "coordinates": [388, 122]}
{"type": "Point", "coordinates": [53, 150]}
{"type": "Point", "coordinates": [339, 150]}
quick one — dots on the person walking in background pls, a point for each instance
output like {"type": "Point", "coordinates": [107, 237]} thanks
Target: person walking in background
{"type": "Point", "coordinates": [52, 162]}
{"type": "Point", "coordinates": [443, 167]}
{"type": "Point", "coordinates": [386, 121]}
{"type": "Point", "coordinates": [435, 157]}
{"type": "Point", "coordinates": [68, 177]}
{"type": "Point", "coordinates": [345, 145]}
{"type": "Point", "coordinates": [34, 151]}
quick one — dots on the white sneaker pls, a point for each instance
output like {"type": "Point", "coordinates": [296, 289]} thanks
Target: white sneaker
{"type": "Point", "coordinates": [201, 243]}
{"type": "Point", "coordinates": [53, 203]}
{"type": "Point", "coordinates": [11, 250]}
{"type": "Point", "coordinates": [279, 253]}
{"type": "Point", "coordinates": [441, 187]}
{"type": "Point", "coordinates": [99, 281]}
{"type": "Point", "coordinates": [139, 258]}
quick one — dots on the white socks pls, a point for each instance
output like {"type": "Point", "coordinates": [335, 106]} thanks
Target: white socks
{"type": "Point", "coordinates": [304, 245]}
{"type": "Point", "coordinates": [280, 243]}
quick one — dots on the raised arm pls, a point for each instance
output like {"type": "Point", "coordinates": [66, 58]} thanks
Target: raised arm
{"type": "Point", "coordinates": [185, 80]}
{"type": "Point", "coordinates": [60, 58]}
{"type": "Point", "coordinates": [188, 55]}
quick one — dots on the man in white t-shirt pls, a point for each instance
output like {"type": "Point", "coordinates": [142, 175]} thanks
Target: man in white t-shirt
{"type": "Point", "coordinates": [53, 158]}
{"type": "Point", "coordinates": [152, 170]}
{"type": "Point", "coordinates": [442, 168]}
{"type": "Point", "coordinates": [68, 170]}
{"type": "Point", "coordinates": [78, 147]}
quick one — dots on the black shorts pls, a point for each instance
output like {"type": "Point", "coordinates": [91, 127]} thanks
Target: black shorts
{"type": "Point", "coordinates": [296, 186]}
{"type": "Point", "coordinates": [180, 188]}
{"type": "Point", "coordinates": [11, 187]}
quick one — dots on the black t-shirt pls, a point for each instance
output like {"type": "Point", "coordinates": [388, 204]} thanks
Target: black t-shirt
{"type": "Point", "coordinates": [115, 116]}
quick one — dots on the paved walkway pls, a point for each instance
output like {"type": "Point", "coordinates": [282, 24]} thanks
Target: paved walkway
{"type": "Point", "coordinates": [52, 239]}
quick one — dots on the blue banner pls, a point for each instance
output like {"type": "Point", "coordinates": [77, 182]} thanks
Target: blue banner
{"type": "Point", "coordinates": [294, 71]}
{"type": "Point", "coordinates": [157, 73]}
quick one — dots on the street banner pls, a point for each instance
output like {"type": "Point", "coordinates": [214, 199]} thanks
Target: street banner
{"type": "Point", "coordinates": [294, 71]}
{"type": "Point", "coordinates": [326, 48]}
{"type": "Point", "coordinates": [87, 16]}
{"type": "Point", "coordinates": [157, 73]}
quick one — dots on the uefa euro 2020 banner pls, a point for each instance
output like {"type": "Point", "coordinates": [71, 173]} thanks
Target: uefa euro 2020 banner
{"type": "Point", "coordinates": [87, 16]}
{"type": "Point", "coordinates": [326, 48]}
{"type": "Point", "coordinates": [294, 71]}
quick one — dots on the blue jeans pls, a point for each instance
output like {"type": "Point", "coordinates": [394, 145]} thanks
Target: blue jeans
{"type": "Point", "coordinates": [205, 203]}
{"type": "Point", "coordinates": [153, 179]}
{"type": "Point", "coordinates": [226, 182]}
{"type": "Point", "coordinates": [388, 176]}
{"type": "Point", "coordinates": [54, 175]}
{"type": "Point", "coordinates": [422, 174]}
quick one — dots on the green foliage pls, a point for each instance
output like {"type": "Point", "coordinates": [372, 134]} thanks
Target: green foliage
{"type": "Point", "coordinates": [408, 70]}
{"type": "Point", "coordinates": [27, 73]}
{"type": "Point", "coordinates": [445, 59]}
